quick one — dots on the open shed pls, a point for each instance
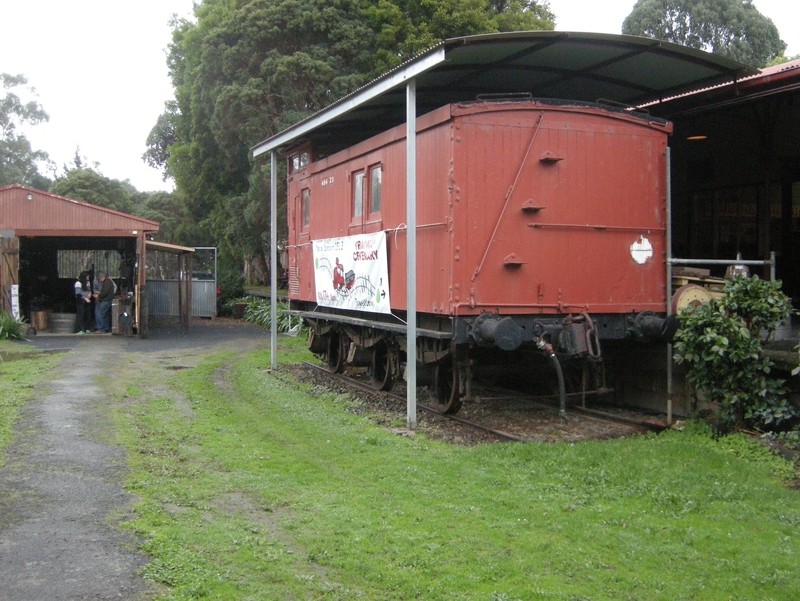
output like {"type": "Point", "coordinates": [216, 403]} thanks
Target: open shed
{"type": "Point", "coordinates": [48, 240]}
{"type": "Point", "coordinates": [736, 171]}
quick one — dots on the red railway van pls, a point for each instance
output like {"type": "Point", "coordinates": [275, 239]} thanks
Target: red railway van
{"type": "Point", "coordinates": [540, 228]}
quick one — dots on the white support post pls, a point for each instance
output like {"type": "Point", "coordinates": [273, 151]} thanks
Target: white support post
{"type": "Point", "coordinates": [411, 253]}
{"type": "Point", "coordinates": [273, 259]}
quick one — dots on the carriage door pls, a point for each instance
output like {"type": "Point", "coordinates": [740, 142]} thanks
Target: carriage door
{"type": "Point", "coordinates": [301, 259]}
{"type": "Point", "coordinates": [359, 197]}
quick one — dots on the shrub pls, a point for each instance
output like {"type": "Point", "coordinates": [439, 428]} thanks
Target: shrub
{"type": "Point", "coordinates": [760, 304]}
{"type": "Point", "coordinates": [11, 328]}
{"type": "Point", "coordinates": [258, 312]}
{"type": "Point", "coordinates": [231, 283]}
{"type": "Point", "coordinates": [719, 341]}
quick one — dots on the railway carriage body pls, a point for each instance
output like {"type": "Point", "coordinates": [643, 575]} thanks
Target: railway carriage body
{"type": "Point", "coordinates": [540, 225]}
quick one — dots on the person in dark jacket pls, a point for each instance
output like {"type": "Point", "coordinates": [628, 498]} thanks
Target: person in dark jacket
{"type": "Point", "coordinates": [102, 312]}
{"type": "Point", "coordinates": [83, 303]}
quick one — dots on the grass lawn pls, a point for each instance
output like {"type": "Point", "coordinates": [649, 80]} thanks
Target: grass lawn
{"type": "Point", "coordinates": [21, 369]}
{"type": "Point", "coordinates": [253, 487]}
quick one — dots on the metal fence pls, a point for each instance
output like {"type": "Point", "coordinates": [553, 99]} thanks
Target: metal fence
{"type": "Point", "coordinates": [162, 298]}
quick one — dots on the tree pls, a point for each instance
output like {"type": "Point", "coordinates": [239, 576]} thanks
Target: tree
{"type": "Point", "coordinates": [19, 163]}
{"type": "Point", "coordinates": [403, 29]}
{"type": "Point", "coordinates": [250, 68]}
{"type": "Point", "coordinates": [167, 208]}
{"type": "Point", "coordinates": [732, 28]}
{"type": "Point", "coordinates": [161, 138]}
{"type": "Point", "coordinates": [782, 58]}
{"type": "Point", "coordinates": [90, 186]}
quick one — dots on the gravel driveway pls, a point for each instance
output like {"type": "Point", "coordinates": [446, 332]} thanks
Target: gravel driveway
{"type": "Point", "coordinates": [61, 494]}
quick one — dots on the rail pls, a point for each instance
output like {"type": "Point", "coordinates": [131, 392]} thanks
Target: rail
{"type": "Point", "coordinates": [361, 386]}
{"type": "Point", "coordinates": [536, 401]}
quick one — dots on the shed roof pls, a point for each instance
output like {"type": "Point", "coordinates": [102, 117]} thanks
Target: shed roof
{"type": "Point", "coordinates": [31, 212]}
{"type": "Point", "coordinates": [770, 80]}
{"type": "Point", "coordinates": [624, 69]}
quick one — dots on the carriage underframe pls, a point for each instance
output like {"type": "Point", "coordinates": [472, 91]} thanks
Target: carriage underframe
{"type": "Point", "coordinates": [563, 353]}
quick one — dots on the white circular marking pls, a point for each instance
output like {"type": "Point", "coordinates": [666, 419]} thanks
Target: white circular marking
{"type": "Point", "coordinates": [641, 250]}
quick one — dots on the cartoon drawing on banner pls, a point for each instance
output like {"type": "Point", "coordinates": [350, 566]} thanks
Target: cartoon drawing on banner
{"type": "Point", "coordinates": [352, 273]}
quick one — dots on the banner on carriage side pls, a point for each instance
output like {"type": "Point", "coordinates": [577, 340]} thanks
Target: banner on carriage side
{"type": "Point", "coordinates": [352, 273]}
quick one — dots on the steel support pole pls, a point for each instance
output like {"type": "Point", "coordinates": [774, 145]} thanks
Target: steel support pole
{"type": "Point", "coordinates": [411, 254]}
{"type": "Point", "coordinates": [273, 258]}
{"type": "Point", "coordinates": [772, 274]}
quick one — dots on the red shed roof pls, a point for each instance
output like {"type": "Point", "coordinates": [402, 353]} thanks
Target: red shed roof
{"type": "Point", "coordinates": [30, 212]}
{"type": "Point", "coordinates": [770, 80]}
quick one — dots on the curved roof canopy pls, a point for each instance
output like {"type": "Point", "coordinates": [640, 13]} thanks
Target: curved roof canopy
{"type": "Point", "coordinates": [629, 70]}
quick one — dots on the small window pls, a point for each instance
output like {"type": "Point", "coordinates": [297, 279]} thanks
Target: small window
{"type": "Point", "coordinates": [375, 195]}
{"type": "Point", "coordinates": [299, 161]}
{"type": "Point", "coordinates": [306, 207]}
{"type": "Point", "coordinates": [358, 194]}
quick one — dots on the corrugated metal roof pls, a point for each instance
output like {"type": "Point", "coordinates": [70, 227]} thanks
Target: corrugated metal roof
{"type": "Point", "coordinates": [32, 212]}
{"type": "Point", "coordinates": [770, 80]}
{"type": "Point", "coordinates": [624, 69]}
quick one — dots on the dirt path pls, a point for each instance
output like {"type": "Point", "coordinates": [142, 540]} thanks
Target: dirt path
{"type": "Point", "coordinates": [61, 493]}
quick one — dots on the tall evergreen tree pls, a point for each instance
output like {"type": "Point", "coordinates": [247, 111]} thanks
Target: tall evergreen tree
{"type": "Point", "coordinates": [732, 28]}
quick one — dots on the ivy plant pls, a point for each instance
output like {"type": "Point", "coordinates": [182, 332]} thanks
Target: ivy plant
{"type": "Point", "coordinates": [720, 343]}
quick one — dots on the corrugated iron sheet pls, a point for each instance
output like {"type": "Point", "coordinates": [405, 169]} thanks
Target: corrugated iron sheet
{"type": "Point", "coordinates": [162, 298]}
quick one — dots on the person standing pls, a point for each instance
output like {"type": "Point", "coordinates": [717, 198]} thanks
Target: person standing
{"type": "Point", "coordinates": [102, 312]}
{"type": "Point", "coordinates": [83, 303]}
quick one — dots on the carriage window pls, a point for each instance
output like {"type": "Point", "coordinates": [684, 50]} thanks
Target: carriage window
{"type": "Point", "coordinates": [375, 174]}
{"type": "Point", "coordinates": [358, 194]}
{"type": "Point", "coordinates": [299, 161]}
{"type": "Point", "coordinates": [306, 207]}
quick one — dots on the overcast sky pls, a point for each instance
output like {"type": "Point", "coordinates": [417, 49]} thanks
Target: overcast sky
{"type": "Point", "coordinates": [99, 67]}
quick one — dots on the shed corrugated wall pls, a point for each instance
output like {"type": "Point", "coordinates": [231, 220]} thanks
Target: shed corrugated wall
{"type": "Point", "coordinates": [162, 298]}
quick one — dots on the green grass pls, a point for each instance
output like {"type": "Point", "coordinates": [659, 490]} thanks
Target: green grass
{"type": "Point", "coordinates": [20, 371]}
{"type": "Point", "coordinates": [253, 487]}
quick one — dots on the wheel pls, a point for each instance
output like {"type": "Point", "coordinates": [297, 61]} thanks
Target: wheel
{"type": "Point", "coordinates": [382, 370]}
{"type": "Point", "coordinates": [690, 295]}
{"type": "Point", "coordinates": [446, 388]}
{"type": "Point", "coordinates": [335, 355]}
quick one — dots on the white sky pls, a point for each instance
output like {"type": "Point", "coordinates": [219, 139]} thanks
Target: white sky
{"type": "Point", "coordinates": [99, 67]}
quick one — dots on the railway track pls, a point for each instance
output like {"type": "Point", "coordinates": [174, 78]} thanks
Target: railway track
{"type": "Point", "coordinates": [495, 395]}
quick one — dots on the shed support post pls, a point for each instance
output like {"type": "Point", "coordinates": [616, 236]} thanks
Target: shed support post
{"type": "Point", "coordinates": [273, 259]}
{"type": "Point", "coordinates": [411, 253]}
